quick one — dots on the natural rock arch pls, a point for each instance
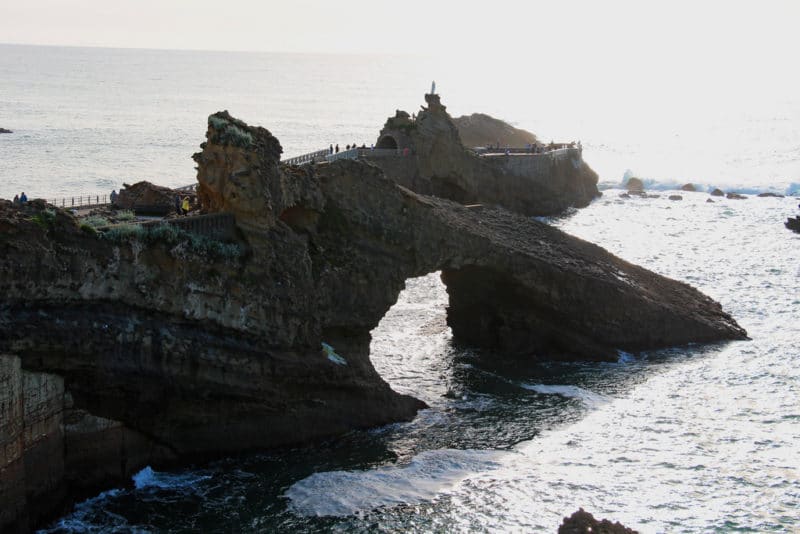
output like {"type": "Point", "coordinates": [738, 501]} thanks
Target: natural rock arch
{"type": "Point", "coordinates": [235, 352]}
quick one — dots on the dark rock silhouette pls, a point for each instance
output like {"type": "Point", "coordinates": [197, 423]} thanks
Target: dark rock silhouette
{"type": "Point", "coordinates": [717, 193]}
{"type": "Point", "coordinates": [582, 522]}
{"type": "Point", "coordinates": [675, 197]}
{"type": "Point", "coordinates": [793, 223]}
{"type": "Point", "coordinates": [688, 187]}
{"type": "Point", "coordinates": [735, 196]}
{"type": "Point", "coordinates": [4, 131]}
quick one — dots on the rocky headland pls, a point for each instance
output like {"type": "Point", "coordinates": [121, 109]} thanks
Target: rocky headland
{"type": "Point", "coordinates": [5, 131]}
{"type": "Point", "coordinates": [155, 347]}
{"type": "Point", "coordinates": [438, 163]}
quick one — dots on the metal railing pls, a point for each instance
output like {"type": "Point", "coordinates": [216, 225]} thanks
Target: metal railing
{"type": "Point", "coordinates": [82, 201]}
{"type": "Point", "coordinates": [303, 159]}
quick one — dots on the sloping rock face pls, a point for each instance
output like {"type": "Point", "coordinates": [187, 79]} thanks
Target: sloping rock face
{"type": "Point", "coordinates": [545, 184]}
{"type": "Point", "coordinates": [582, 522]}
{"type": "Point", "coordinates": [144, 195]}
{"type": "Point", "coordinates": [480, 129]}
{"type": "Point", "coordinates": [170, 353]}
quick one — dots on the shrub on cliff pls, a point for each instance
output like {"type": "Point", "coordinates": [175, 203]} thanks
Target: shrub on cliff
{"type": "Point", "coordinates": [228, 133]}
{"type": "Point", "coordinates": [173, 236]}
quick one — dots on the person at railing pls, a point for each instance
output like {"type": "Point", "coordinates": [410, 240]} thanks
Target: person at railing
{"type": "Point", "coordinates": [337, 148]}
{"type": "Point", "coordinates": [347, 147]}
{"type": "Point", "coordinates": [185, 205]}
{"type": "Point", "coordinates": [16, 200]}
{"type": "Point", "coordinates": [23, 198]}
{"type": "Point", "coordinates": [113, 196]}
{"type": "Point", "coordinates": [177, 201]}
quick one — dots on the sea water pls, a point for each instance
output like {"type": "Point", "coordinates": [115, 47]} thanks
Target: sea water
{"type": "Point", "coordinates": [688, 439]}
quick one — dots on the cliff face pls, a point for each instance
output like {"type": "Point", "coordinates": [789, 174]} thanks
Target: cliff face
{"type": "Point", "coordinates": [544, 184]}
{"type": "Point", "coordinates": [169, 352]}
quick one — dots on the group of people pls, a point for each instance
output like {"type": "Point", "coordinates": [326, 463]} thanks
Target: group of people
{"type": "Point", "coordinates": [335, 149]}
{"type": "Point", "coordinates": [20, 199]}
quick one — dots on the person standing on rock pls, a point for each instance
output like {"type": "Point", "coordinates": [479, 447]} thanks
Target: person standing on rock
{"type": "Point", "coordinates": [337, 148]}
{"type": "Point", "coordinates": [185, 205]}
{"type": "Point", "coordinates": [23, 198]}
{"type": "Point", "coordinates": [331, 149]}
{"type": "Point", "coordinates": [177, 201]}
{"type": "Point", "coordinates": [113, 196]}
{"type": "Point", "coordinates": [15, 202]}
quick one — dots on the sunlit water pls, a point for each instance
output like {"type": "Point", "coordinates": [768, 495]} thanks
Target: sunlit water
{"type": "Point", "coordinates": [693, 439]}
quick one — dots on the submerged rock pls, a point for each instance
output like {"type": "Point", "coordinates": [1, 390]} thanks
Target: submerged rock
{"type": "Point", "coordinates": [793, 223]}
{"type": "Point", "coordinates": [688, 187]}
{"type": "Point", "coordinates": [4, 131]}
{"type": "Point", "coordinates": [735, 196]}
{"type": "Point", "coordinates": [717, 193]}
{"type": "Point", "coordinates": [675, 197]}
{"type": "Point", "coordinates": [582, 522]}
{"type": "Point", "coordinates": [769, 194]}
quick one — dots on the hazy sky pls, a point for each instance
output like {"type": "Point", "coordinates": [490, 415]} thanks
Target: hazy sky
{"type": "Point", "coordinates": [722, 47]}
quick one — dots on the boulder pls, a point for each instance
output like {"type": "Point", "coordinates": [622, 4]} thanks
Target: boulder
{"type": "Point", "coordinates": [675, 197]}
{"type": "Point", "coordinates": [4, 131]}
{"type": "Point", "coordinates": [717, 193]}
{"type": "Point", "coordinates": [146, 197]}
{"type": "Point", "coordinates": [478, 130]}
{"type": "Point", "coordinates": [770, 194]}
{"type": "Point", "coordinates": [793, 223]}
{"type": "Point", "coordinates": [709, 201]}
{"type": "Point", "coordinates": [624, 195]}
{"type": "Point", "coordinates": [735, 196]}
{"type": "Point", "coordinates": [688, 187]}
{"type": "Point", "coordinates": [635, 185]}
{"type": "Point", "coordinates": [582, 522]}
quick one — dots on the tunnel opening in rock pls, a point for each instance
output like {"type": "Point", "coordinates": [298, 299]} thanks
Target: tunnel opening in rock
{"type": "Point", "coordinates": [387, 141]}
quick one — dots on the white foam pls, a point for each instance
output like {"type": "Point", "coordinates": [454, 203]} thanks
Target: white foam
{"type": "Point", "coordinates": [589, 398]}
{"type": "Point", "coordinates": [430, 473]}
{"type": "Point", "coordinates": [147, 478]}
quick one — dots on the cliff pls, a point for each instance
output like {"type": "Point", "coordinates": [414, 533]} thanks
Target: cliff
{"type": "Point", "coordinates": [173, 349]}
{"type": "Point", "coordinates": [480, 129]}
{"type": "Point", "coordinates": [437, 163]}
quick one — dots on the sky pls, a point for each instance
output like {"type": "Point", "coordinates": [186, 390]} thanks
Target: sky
{"type": "Point", "coordinates": [666, 57]}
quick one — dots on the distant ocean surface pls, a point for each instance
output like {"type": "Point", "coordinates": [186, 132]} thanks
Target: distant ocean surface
{"type": "Point", "coordinates": [690, 439]}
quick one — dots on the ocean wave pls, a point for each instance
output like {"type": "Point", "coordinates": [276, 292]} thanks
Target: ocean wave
{"type": "Point", "coordinates": [589, 398]}
{"type": "Point", "coordinates": [430, 473]}
{"type": "Point", "coordinates": [653, 184]}
{"type": "Point", "coordinates": [147, 478]}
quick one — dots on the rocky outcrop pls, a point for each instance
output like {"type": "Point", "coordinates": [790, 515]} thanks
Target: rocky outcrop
{"type": "Point", "coordinates": [437, 163]}
{"type": "Point", "coordinates": [170, 351]}
{"type": "Point", "coordinates": [480, 129]}
{"type": "Point", "coordinates": [146, 197]}
{"type": "Point", "coordinates": [717, 193]}
{"type": "Point", "coordinates": [582, 522]}
{"type": "Point", "coordinates": [735, 196]}
{"type": "Point", "coordinates": [675, 197]}
{"type": "Point", "coordinates": [689, 187]}
{"type": "Point", "coordinates": [793, 223]}
{"type": "Point", "coordinates": [4, 131]}
{"type": "Point", "coordinates": [635, 186]}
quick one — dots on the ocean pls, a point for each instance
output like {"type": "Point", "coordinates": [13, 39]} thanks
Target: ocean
{"type": "Point", "coordinates": [688, 439]}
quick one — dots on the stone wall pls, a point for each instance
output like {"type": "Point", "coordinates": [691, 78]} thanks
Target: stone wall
{"type": "Point", "coordinates": [533, 165]}
{"type": "Point", "coordinates": [12, 467]}
{"type": "Point", "coordinates": [32, 441]}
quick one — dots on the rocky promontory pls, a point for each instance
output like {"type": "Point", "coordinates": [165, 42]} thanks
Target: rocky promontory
{"type": "Point", "coordinates": [154, 346]}
{"type": "Point", "coordinates": [436, 162]}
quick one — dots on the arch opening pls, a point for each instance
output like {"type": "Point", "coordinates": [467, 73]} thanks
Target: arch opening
{"type": "Point", "coordinates": [387, 141]}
